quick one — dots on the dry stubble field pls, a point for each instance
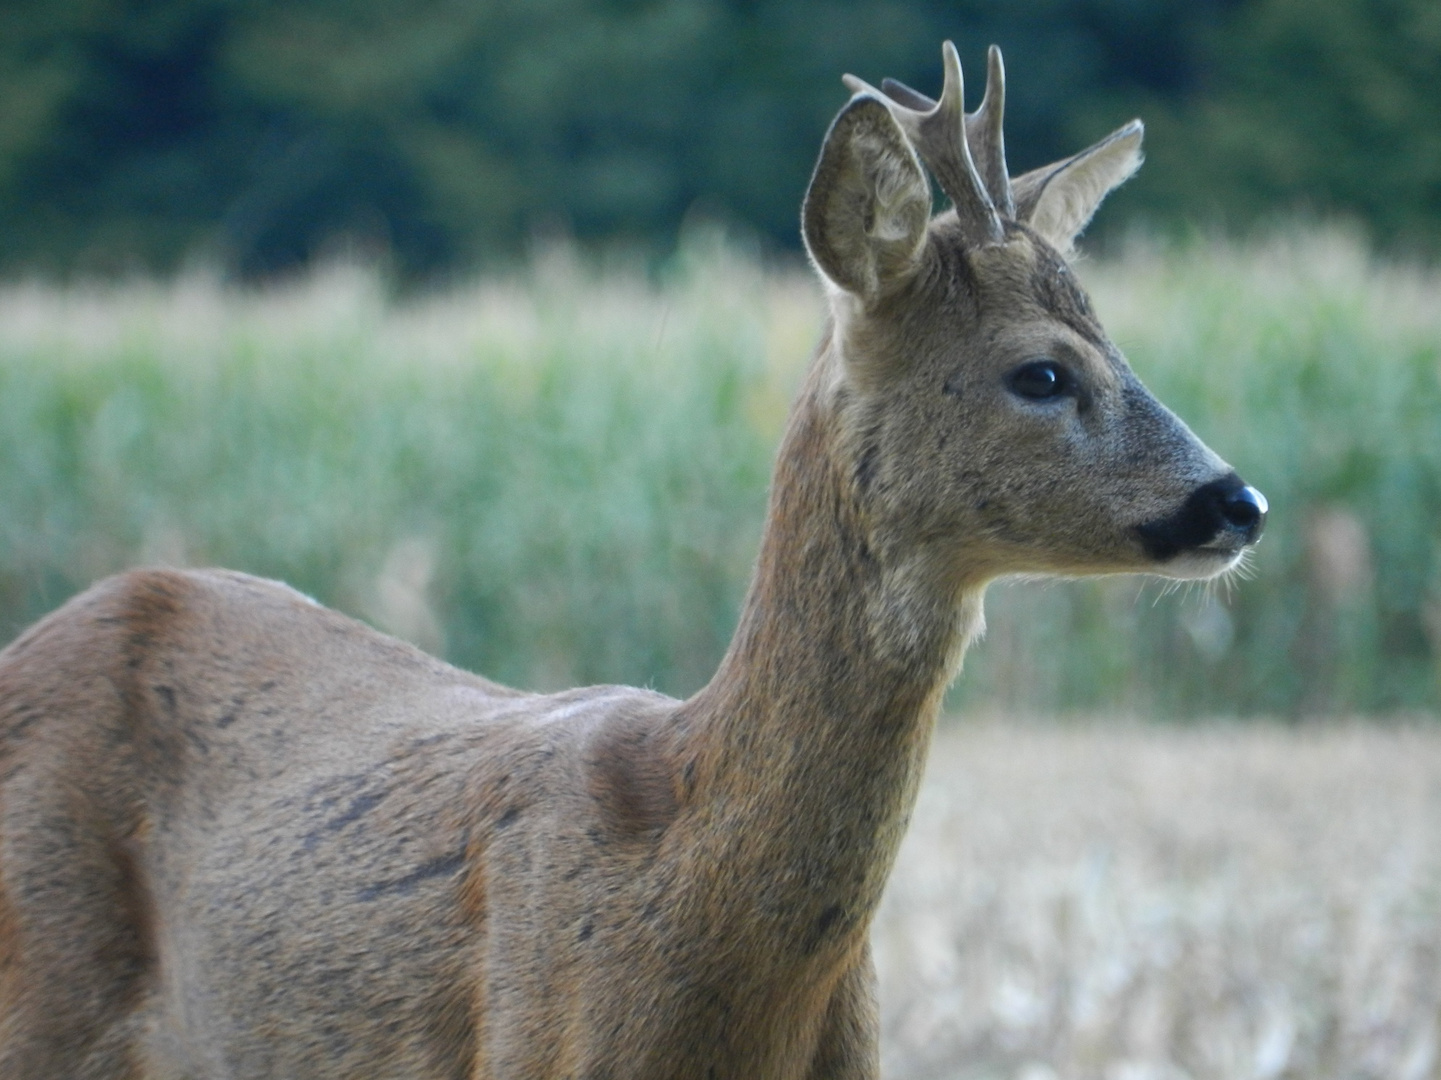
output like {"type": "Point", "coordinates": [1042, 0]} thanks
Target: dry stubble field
{"type": "Point", "coordinates": [1135, 902]}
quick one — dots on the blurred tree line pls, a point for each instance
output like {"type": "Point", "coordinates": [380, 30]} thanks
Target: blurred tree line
{"type": "Point", "coordinates": [257, 134]}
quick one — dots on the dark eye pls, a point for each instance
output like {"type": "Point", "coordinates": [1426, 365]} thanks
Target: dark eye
{"type": "Point", "coordinates": [1039, 380]}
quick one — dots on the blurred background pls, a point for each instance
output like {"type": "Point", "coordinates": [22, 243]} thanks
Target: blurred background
{"type": "Point", "coordinates": [446, 133]}
{"type": "Point", "coordinates": [479, 319]}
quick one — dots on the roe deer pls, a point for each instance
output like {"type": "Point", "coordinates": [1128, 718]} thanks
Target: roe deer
{"type": "Point", "coordinates": [244, 836]}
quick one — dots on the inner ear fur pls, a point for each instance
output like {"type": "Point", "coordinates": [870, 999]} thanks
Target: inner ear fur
{"type": "Point", "coordinates": [868, 204]}
{"type": "Point", "coordinates": [1059, 200]}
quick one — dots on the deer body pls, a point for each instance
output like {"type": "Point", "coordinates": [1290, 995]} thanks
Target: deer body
{"type": "Point", "coordinates": [244, 836]}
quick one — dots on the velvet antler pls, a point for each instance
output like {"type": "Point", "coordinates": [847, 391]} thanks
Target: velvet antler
{"type": "Point", "coordinates": [965, 153]}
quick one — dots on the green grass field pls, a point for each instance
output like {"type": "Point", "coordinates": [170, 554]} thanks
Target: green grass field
{"type": "Point", "coordinates": [558, 477]}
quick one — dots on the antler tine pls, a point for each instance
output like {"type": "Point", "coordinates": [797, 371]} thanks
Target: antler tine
{"type": "Point", "coordinates": [939, 135]}
{"type": "Point", "coordinates": [984, 129]}
{"type": "Point", "coordinates": [986, 138]}
{"type": "Point", "coordinates": [911, 99]}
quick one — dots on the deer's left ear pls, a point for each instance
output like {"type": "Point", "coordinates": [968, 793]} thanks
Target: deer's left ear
{"type": "Point", "coordinates": [1059, 200]}
{"type": "Point", "coordinates": [868, 205]}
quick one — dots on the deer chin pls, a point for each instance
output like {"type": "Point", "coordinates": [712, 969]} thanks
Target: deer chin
{"type": "Point", "coordinates": [1196, 564]}
{"type": "Point", "coordinates": [1201, 564]}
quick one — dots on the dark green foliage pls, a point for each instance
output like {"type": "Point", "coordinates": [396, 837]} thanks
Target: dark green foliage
{"type": "Point", "coordinates": [447, 132]}
{"type": "Point", "coordinates": [1332, 107]}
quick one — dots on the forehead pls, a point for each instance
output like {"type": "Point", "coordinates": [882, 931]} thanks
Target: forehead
{"type": "Point", "coordinates": [1021, 278]}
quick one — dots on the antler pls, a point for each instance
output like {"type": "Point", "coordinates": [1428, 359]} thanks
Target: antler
{"type": "Point", "coordinates": [988, 141]}
{"type": "Point", "coordinates": [965, 152]}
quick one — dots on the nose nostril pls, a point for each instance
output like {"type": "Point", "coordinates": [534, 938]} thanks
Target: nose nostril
{"type": "Point", "coordinates": [1245, 508]}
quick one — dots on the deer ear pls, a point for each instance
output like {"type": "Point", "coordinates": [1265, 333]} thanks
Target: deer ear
{"type": "Point", "coordinates": [868, 205]}
{"type": "Point", "coordinates": [1059, 200]}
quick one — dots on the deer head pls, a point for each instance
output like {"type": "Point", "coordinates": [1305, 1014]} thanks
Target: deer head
{"type": "Point", "coordinates": [989, 424]}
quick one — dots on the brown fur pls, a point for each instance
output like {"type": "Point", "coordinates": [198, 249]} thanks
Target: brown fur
{"type": "Point", "coordinates": [243, 836]}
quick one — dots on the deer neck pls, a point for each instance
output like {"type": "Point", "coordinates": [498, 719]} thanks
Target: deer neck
{"type": "Point", "coordinates": [811, 738]}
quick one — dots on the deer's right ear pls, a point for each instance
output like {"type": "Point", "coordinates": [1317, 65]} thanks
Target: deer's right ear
{"type": "Point", "coordinates": [868, 205]}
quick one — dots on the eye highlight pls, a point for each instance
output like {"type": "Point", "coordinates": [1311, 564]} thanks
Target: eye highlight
{"type": "Point", "coordinates": [1039, 380]}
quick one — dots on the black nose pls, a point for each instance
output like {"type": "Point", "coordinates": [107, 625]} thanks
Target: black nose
{"type": "Point", "coordinates": [1245, 509]}
{"type": "Point", "coordinates": [1227, 513]}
